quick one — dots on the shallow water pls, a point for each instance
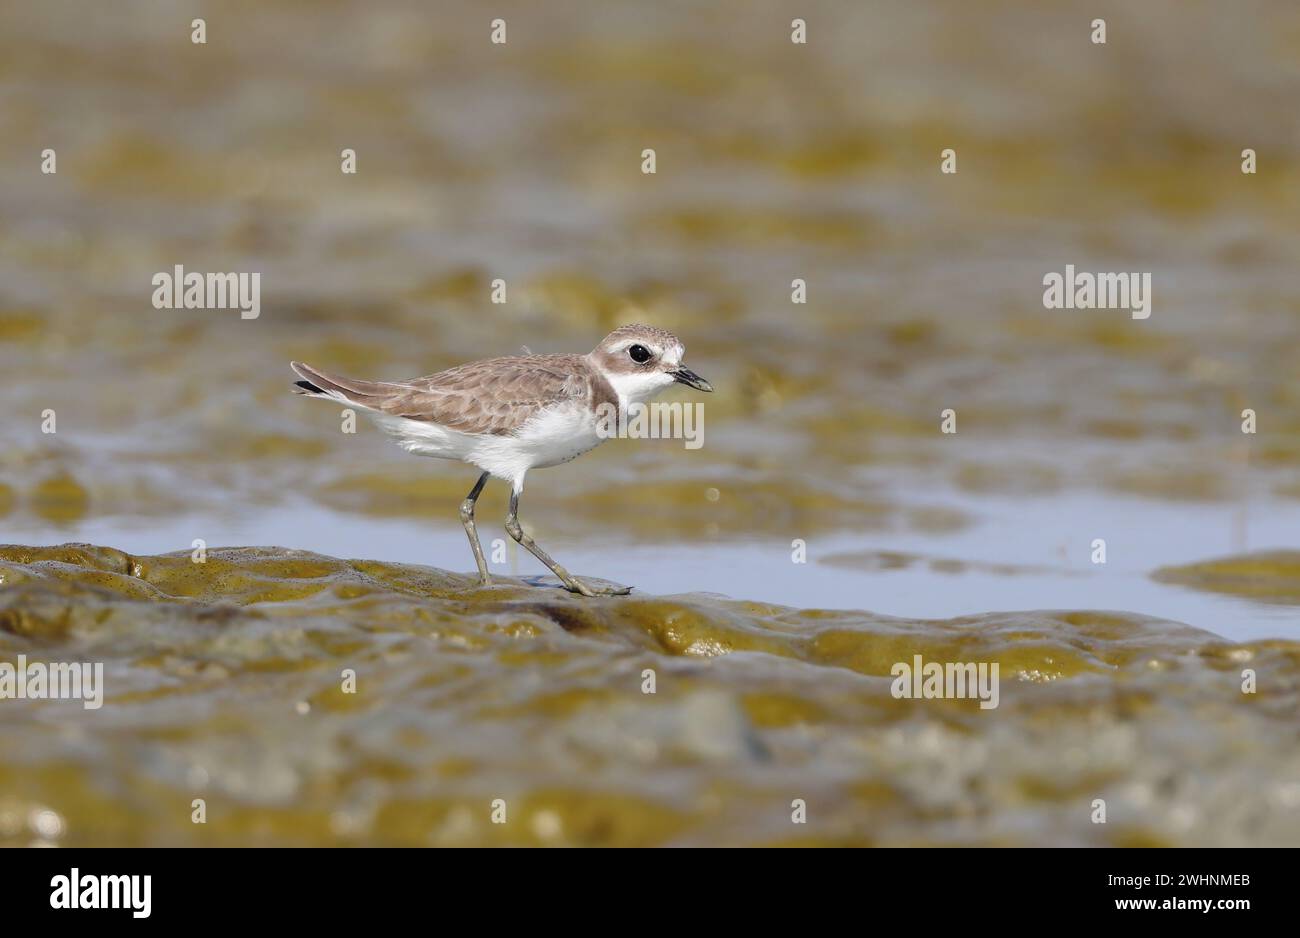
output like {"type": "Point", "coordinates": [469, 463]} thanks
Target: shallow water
{"type": "Point", "coordinates": [776, 162]}
{"type": "Point", "coordinates": [1017, 556]}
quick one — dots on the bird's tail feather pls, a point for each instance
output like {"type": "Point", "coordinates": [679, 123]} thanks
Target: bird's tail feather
{"type": "Point", "coordinates": [315, 383]}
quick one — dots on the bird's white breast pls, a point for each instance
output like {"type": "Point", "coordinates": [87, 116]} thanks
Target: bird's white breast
{"type": "Point", "coordinates": [556, 435]}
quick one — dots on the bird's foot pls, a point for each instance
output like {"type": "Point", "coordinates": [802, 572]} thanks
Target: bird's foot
{"type": "Point", "coordinates": [586, 589]}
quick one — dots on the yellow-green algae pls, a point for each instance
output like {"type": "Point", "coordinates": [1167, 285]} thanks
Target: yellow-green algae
{"type": "Point", "coordinates": [393, 278]}
{"type": "Point", "coordinates": [224, 682]}
{"type": "Point", "coordinates": [1271, 576]}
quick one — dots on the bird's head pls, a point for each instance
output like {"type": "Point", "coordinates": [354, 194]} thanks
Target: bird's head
{"type": "Point", "coordinates": [640, 361]}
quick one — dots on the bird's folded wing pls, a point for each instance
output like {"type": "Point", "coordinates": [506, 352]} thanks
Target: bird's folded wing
{"type": "Point", "coordinates": [496, 396]}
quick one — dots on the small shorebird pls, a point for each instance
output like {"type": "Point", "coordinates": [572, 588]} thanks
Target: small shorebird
{"type": "Point", "coordinates": [509, 415]}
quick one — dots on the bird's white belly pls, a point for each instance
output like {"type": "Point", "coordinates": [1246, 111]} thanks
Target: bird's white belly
{"type": "Point", "coordinates": [552, 437]}
{"type": "Point", "coordinates": [425, 438]}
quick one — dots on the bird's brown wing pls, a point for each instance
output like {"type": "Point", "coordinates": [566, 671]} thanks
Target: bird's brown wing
{"type": "Point", "coordinates": [495, 396]}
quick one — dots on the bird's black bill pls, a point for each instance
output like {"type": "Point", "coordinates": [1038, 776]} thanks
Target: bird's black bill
{"type": "Point", "coordinates": [691, 379]}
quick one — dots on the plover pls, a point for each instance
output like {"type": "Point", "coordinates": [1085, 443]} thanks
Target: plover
{"type": "Point", "coordinates": [507, 416]}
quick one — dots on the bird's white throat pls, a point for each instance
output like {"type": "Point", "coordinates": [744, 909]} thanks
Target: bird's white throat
{"type": "Point", "coordinates": [636, 387]}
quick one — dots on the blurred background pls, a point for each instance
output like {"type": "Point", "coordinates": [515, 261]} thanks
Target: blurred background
{"type": "Point", "coordinates": [775, 161]}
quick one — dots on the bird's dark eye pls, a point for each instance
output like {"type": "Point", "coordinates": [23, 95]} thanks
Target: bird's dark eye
{"type": "Point", "coordinates": [640, 354]}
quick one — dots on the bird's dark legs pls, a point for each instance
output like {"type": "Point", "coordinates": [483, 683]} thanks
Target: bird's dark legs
{"type": "Point", "coordinates": [571, 583]}
{"type": "Point", "coordinates": [467, 519]}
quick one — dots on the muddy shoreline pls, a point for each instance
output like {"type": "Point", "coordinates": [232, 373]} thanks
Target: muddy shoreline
{"type": "Point", "coordinates": [226, 681]}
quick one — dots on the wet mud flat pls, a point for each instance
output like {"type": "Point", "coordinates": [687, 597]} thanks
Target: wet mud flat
{"type": "Point", "coordinates": [303, 699]}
